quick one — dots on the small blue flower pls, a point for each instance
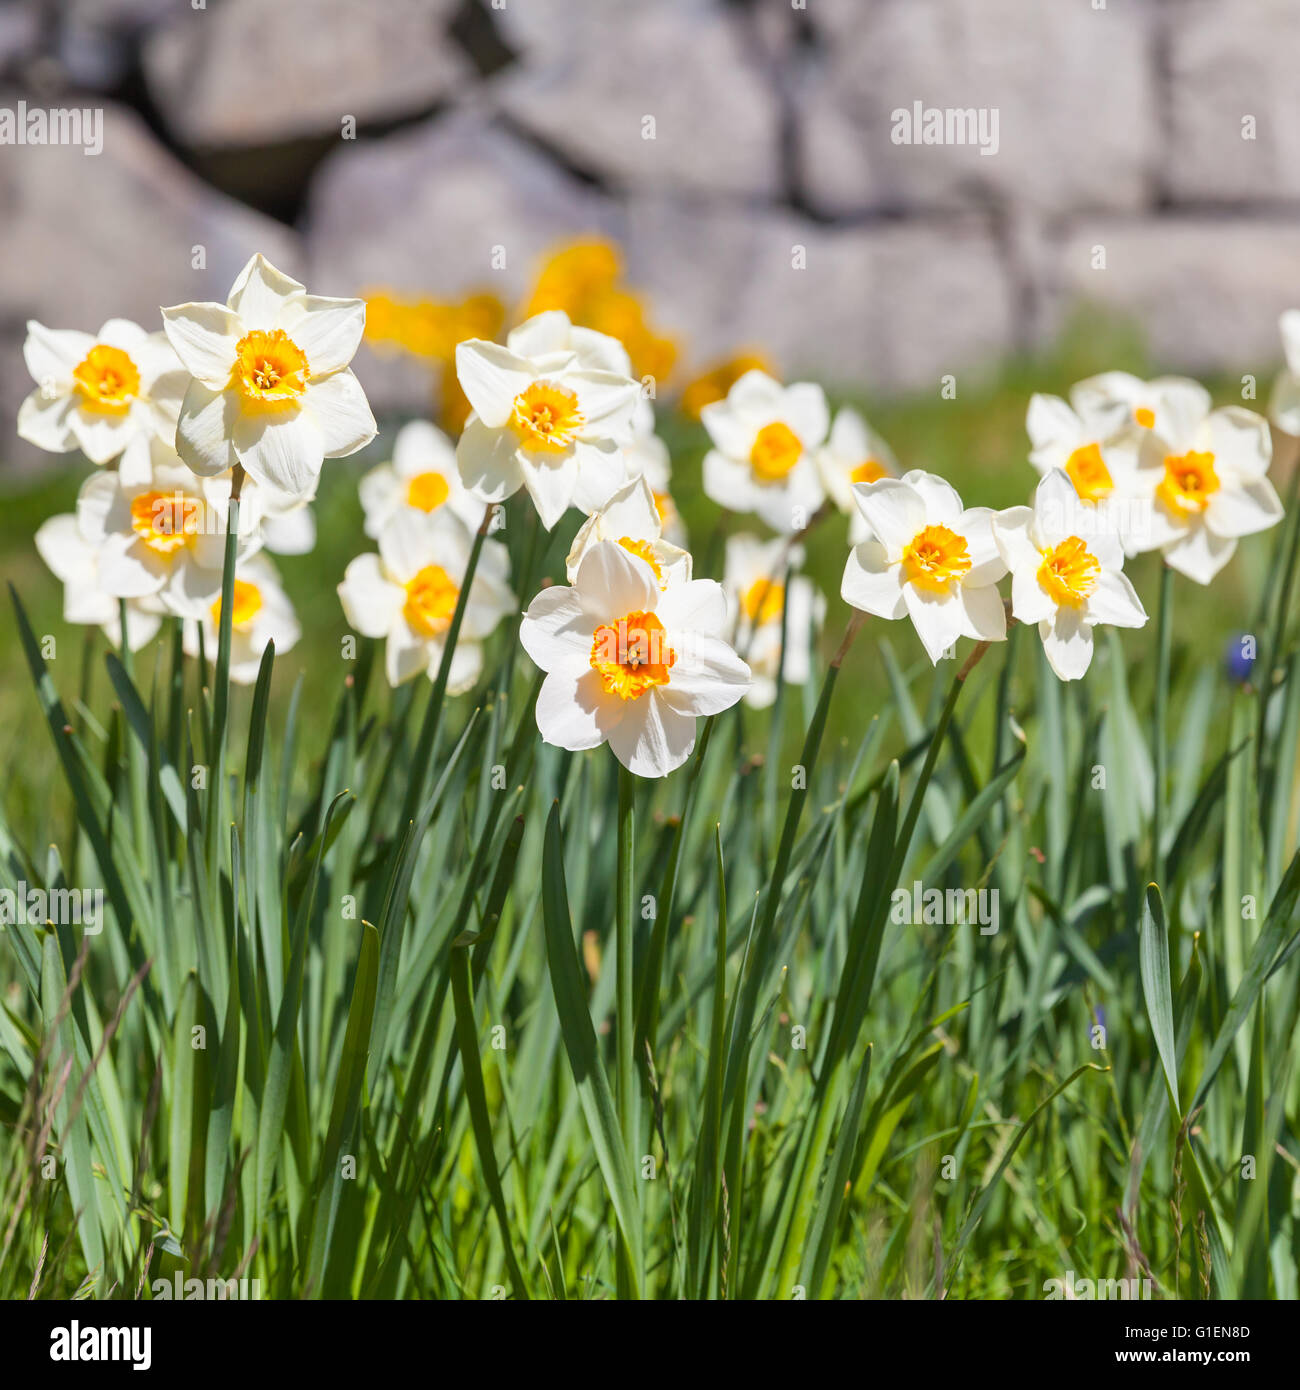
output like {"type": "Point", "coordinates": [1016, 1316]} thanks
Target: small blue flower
{"type": "Point", "coordinates": [1239, 657]}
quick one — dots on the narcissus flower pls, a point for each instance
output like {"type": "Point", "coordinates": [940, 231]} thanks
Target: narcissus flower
{"type": "Point", "coordinates": [422, 477]}
{"type": "Point", "coordinates": [1204, 472]}
{"type": "Point", "coordinates": [408, 593]}
{"type": "Point", "coordinates": [631, 519]}
{"type": "Point", "coordinates": [271, 387]}
{"type": "Point", "coordinates": [1284, 405]}
{"type": "Point", "coordinates": [1125, 400]}
{"type": "Point", "coordinates": [107, 394]}
{"type": "Point", "coordinates": [1097, 449]}
{"type": "Point", "coordinates": [765, 440]}
{"type": "Point", "coordinates": [766, 603]}
{"type": "Point", "coordinates": [853, 453]}
{"type": "Point", "coordinates": [928, 558]}
{"type": "Point", "coordinates": [75, 560]}
{"type": "Point", "coordinates": [1066, 572]}
{"type": "Point", "coordinates": [544, 417]}
{"type": "Point", "coordinates": [260, 613]}
{"type": "Point", "coordinates": [628, 663]}
{"type": "Point", "coordinates": [162, 537]}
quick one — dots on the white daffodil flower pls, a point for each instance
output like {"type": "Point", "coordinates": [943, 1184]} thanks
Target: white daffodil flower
{"type": "Point", "coordinates": [547, 422]}
{"type": "Point", "coordinates": [1067, 575]}
{"type": "Point", "coordinates": [162, 537]}
{"type": "Point", "coordinates": [422, 477]}
{"type": "Point", "coordinates": [408, 593]}
{"type": "Point", "coordinates": [928, 558]}
{"type": "Point", "coordinates": [75, 561]}
{"type": "Point", "coordinates": [631, 519]}
{"type": "Point", "coordinates": [853, 453]}
{"type": "Point", "coordinates": [1284, 405]}
{"type": "Point", "coordinates": [1097, 448]}
{"type": "Point", "coordinates": [765, 605]}
{"type": "Point", "coordinates": [765, 441]}
{"type": "Point", "coordinates": [1204, 474]}
{"type": "Point", "coordinates": [1125, 401]}
{"type": "Point", "coordinates": [260, 613]}
{"type": "Point", "coordinates": [628, 663]}
{"type": "Point", "coordinates": [271, 387]}
{"type": "Point", "coordinates": [107, 394]}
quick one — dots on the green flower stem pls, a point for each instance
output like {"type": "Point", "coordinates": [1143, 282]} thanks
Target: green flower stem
{"type": "Point", "coordinates": [1164, 642]}
{"type": "Point", "coordinates": [625, 1022]}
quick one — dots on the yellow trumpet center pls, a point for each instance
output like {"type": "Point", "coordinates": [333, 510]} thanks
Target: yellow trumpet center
{"type": "Point", "coordinates": [644, 550]}
{"type": "Point", "coordinates": [107, 380]}
{"type": "Point", "coordinates": [245, 606]}
{"type": "Point", "coordinates": [632, 655]}
{"type": "Point", "coordinates": [868, 471]}
{"type": "Point", "coordinates": [1189, 483]}
{"type": "Point", "coordinates": [1088, 472]}
{"type": "Point", "coordinates": [165, 521]}
{"type": "Point", "coordinates": [936, 558]}
{"type": "Point", "coordinates": [431, 601]}
{"type": "Point", "coordinates": [270, 368]}
{"type": "Point", "coordinates": [1146, 418]}
{"type": "Point", "coordinates": [763, 601]}
{"type": "Point", "coordinates": [546, 417]}
{"type": "Point", "coordinates": [1069, 571]}
{"type": "Point", "coordinates": [427, 491]}
{"type": "Point", "coordinates": [775, 451]}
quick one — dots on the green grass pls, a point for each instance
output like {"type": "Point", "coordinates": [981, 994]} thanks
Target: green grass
{"type": "Point", "coordinates": [784, 1091]}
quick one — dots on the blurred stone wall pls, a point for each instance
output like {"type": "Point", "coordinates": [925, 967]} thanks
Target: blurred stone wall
{"type": "Point", "coordinates": [743, 153]}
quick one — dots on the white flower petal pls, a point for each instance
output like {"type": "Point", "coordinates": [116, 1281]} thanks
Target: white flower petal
{"type": "Point", "coordinates": [871, 583]}
{"type": "Point", "coordinates": [282, 448]}
{"type": "Point", "coordinates": [491, 377]}
{"type": "Point", "coordinates": [1199, 554]}
{"type": "Point", "coordinates": [698, 606]}
{"type": "Point", "coordinates": [894, 510]}
{"type": "Point", "coordinates": [652, 738]}
{"type": "Point", "coordinates": [204, 337]}
{"type": "Point", "coordinates": [205, 429]}
{"type": "Point", "coordinates": [551, 486]}
{"type": "Point", "coordinates": [327, 330]}
{"type": "Point", "coordinates": [44, 421]}
{"type": "Point", "coordinates": [939, 619]}
{"type": "Point", "coordinates": [1243, 511]}
{"type": "Point", "coordinates": [488, 461]}
{"type": "Point", "coordinates": [371, 602]}
{"type": "Point", "coordinates": [52, 354]}
{"type": "Point", "coordinates": [575, 712]}
{"type": "Point", "coordinates": [707, 676]}
{"type": "Point", "coordinates": [1067, 642]}
{"type": "Point", "coordinates": [613, 582]}
{"type": "Point", "coordinates": [261, 294]}
{"type": "Point", "coordinates": [341, 412]}
{"type": "Point", "coordinates": [986, 614]}
{"type": "Point", "coordinates": [1113, 600]}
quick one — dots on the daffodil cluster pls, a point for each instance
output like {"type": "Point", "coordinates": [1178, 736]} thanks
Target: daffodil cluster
{"type": "Point", "coordinates": [255, 392]}
{"type": "Point", "coordinates": [247, 399]}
